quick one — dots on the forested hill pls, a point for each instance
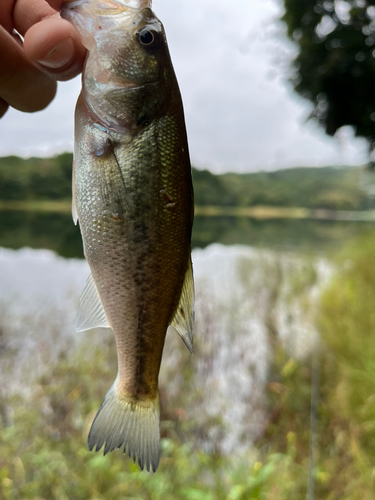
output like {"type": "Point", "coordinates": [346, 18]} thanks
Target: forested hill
{"type": "Point", "coordinates": [36, 178]}
{"type": "Point", "coordinates": [328, 187]}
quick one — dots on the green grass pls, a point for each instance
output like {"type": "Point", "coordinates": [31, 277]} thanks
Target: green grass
{"type": "Point", "coordinates": [346, 423]}
{"type": "Point", "coordinates": [44, 455]}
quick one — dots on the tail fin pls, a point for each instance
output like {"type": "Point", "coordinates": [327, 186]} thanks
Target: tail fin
{"type": "Point", "coordinates": [134, 424]}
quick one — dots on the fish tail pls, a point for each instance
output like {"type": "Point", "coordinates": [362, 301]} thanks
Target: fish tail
{"type": "Point", "coordinates": [122, 420]}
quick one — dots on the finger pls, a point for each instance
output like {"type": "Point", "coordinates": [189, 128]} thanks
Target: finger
{"type": "Point", "coordinates": [3, 107]}
{"type": "Point", "coordinates": [21, 15]}
{"type": "Point", "coordinates": [22, 85]}
{"type": "Point", "coordinates": [54, 45]}
{"type": "Point", "coordinates": [26, 13]}
{"type": "Point", "coordinates": [6, 11]}
{"type": "Point", "coordinates": [17, 38]}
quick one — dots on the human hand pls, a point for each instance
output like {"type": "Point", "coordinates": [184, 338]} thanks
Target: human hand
{"type": "Point", "coordinates": [51, 51]}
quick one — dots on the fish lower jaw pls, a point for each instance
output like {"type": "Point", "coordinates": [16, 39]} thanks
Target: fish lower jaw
{"type": "Point", "coordinates": [102, 7]}
{"type": "Point", "coordinates": [89, 16]}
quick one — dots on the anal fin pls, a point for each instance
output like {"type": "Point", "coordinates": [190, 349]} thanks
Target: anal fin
{"type": "Point", "coordinates": [183, 319]}
{"type": "Point", "coordinates": [90, 312]}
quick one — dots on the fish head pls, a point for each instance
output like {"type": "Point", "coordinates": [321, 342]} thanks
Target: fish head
{"type": "Point", "coordinates": [128, 71]}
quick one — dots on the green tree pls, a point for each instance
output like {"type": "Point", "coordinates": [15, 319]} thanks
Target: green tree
{"type": "Point", "coordinates": [335, 64]}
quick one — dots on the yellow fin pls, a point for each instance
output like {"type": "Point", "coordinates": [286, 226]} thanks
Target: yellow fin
{"type": "Point", "coordinates": [183, 319]}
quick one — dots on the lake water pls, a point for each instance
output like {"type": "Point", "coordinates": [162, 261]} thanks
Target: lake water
{"type": "Point", "coordinates": [56, 231]}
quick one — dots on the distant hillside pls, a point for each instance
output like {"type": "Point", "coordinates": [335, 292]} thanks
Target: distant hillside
{"type": "Point", "coordinates": [36, 178]}
{"type": "Point", "coordinates": [328, 187]}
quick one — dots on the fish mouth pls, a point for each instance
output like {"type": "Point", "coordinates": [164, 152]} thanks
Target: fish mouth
{"type": "Point", "coordinates": [104, 7]}
{"type": "Point", "coordinates": [89, 16]}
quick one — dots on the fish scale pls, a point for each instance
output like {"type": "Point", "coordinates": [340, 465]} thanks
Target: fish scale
{"type": "Point", "coordinates": [134, 202]}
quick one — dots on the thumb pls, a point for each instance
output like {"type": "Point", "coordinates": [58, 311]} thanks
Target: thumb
{"type": "Point", "coordinates": [54, 46]}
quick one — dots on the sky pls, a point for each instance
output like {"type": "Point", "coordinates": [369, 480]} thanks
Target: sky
{"type": "Point", "coordinates": [232, 61]}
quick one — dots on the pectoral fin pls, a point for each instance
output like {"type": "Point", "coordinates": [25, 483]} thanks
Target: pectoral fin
{"type": "Point", "coordinates": [90, 312]}
{"type": "Point", "coordinates": [183, 319]}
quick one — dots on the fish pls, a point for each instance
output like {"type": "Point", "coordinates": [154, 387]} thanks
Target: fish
{"type": "Point", "coordinates": [133, 198]}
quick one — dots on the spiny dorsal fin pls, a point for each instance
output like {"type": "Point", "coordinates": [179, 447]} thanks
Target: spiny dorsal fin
{"type": "Point", "coordinates": [183, 319]}
{"type": "Point", "coordinates": [74, 203]}
{"type": "Point", "coordinates": [90, 312]}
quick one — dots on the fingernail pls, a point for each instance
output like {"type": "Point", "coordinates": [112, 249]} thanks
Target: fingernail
{"type": "Point", "coordinates": [60, 55]}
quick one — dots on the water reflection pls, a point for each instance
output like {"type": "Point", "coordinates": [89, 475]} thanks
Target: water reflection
{"type": "Point", "coordinates": [278, 234]}
{"type": "Point", "coordinates": [56, 231]}
{"type": "Point", "coordinates": [53, 231]}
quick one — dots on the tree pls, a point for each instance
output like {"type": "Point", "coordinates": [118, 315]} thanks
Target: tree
{"type": "Point", "coordinates": [335, 64]}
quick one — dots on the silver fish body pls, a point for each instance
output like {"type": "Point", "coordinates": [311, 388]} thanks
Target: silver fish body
{"type": "Point", "coordinates": [134, 202]}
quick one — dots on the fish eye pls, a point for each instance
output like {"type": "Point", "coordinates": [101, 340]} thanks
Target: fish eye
{"type": "Point", "coordinates": [148, 38]}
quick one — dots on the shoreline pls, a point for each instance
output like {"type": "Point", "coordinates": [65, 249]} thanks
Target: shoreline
{"type": "Point", "coordinates": [253, 212]}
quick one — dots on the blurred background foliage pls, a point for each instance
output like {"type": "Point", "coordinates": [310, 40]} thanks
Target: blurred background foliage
{"type": "Point", "coordinates": [335, 63]}
{"type": "Point", "coordinates": [43, 453]}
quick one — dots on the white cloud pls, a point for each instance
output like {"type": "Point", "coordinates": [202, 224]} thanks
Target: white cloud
{"type": "Point", "coordinates": [231, 60]}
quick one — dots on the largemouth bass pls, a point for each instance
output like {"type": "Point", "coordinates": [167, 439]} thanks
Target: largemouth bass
{"type": "Point", "coordinates": [132, 195]}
